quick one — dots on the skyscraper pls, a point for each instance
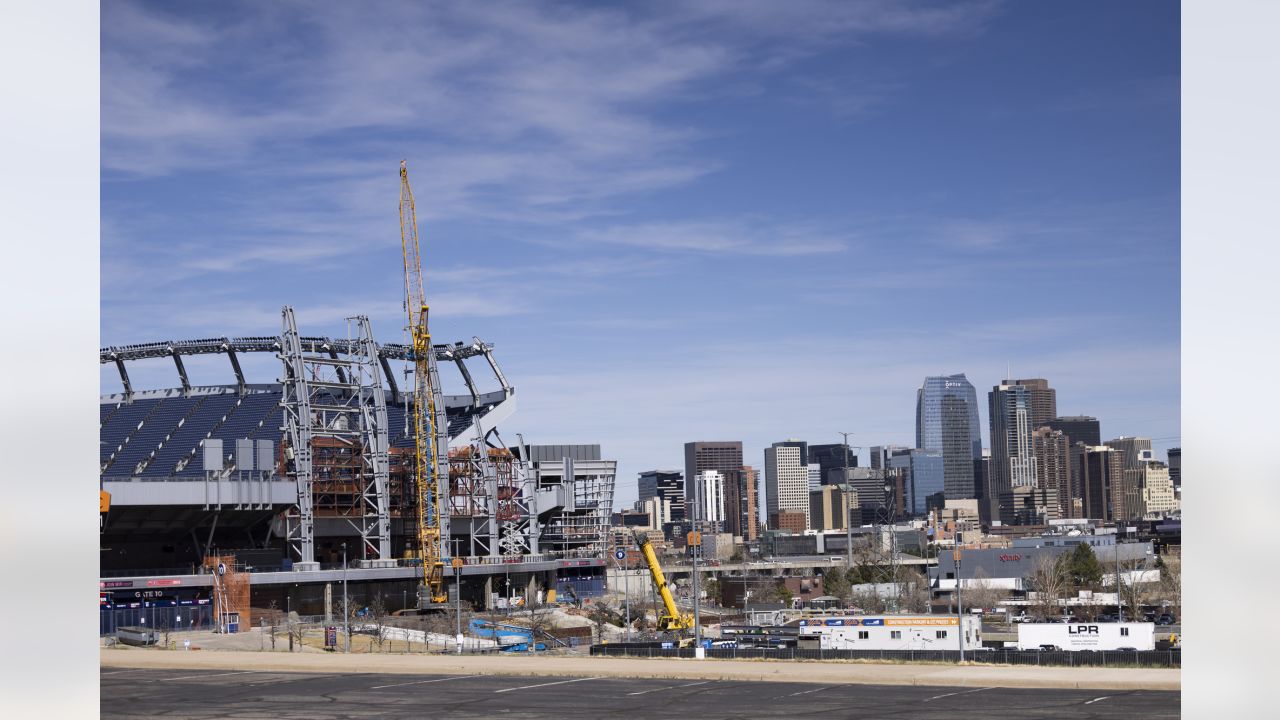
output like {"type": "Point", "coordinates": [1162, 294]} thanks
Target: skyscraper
{"type": "Point", "coordinates": [815, 476]}
{"type": "Point", "coordinates": [1079, 428]}
{"type": "Point", "coordinates": [786, 480]}
{"type": "Point", "coordinates": [832, 457]}
{"type": "Point", "coordinates": [724, 457]}
{"type": "Point", "coordinates": [1052, 450]}
{"type": "Point", "coordinates": [711, 499]}
{"type": "Point", "coordinates": [1135, 453]}
{"type": "Point", "coordinates": [1175, 467]}
{"type": "Point", "coordinates": [1042, 401]}
{"type": "Point", "coordinates": [947, 423]}
{"type": "Point", "coordinates": [665, 484]}
{"type": "Point", "coordinates": [922, 474]}
{"type": "Point", "coordinates": [740, 492]}
{"type": "Point", "coordinates": [1100, 472]}
{"type": "Point", "coordinates": [1012, 462]}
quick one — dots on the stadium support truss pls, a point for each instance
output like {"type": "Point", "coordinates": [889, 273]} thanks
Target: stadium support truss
{"type": "Point", "coordinates": [335, 419]}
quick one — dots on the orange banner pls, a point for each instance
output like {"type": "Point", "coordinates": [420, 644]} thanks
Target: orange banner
{"type": "Point", "coordinates": [922, 621]}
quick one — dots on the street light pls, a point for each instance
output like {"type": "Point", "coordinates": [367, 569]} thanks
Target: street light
{"type": "Point", "coordinates": [346, 609]}
{"type": "Point", "coordinates": [955, 555]}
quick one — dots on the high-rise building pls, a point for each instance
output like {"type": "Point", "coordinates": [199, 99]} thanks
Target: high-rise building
{"type": "Point", "coordinates": [880, 455]}
{"type": "Point", "coordinates": [786, 479]}
{"type": "Point", "coordinates": [831, 457]}
{"type": "Point", "coordinates": [740, 492]}
{"type": "Point", "coordinates": [668, 485]}
{"type": "Point", "coordinates": [1175, 467]}
{"type": "Point", "coordinates": [815, 476]}
{"type": "Point", "coordinates": [1100, 473]}
{"type": "Point", "coordinates": [868, 486]}
{"type": "Point", "coordinates": [1158, 497]}
{"type": "Point", "coordinates": [711, 500]}
{"type": "Point", "coordinates": [1136, 454]}
{"type": "Point", "coordinates": [1013, 464]}
{"type": "Point", "coordinates": [1042, 401]}
{"type": "Point", "coordinates": [722, 456]}
{"type": "Point", "coordinates": [922, 474]}
{"type": "Point", "coordinates": [947, 422]}
{"type": "Point", "coordinates": [829, 507]}
{"type": "Point", "coordinates": [1079, 428]}
{"type": "Point", "coordinates": [1052, 449]}
{"type": "Point", "coordinates": [982, 486]}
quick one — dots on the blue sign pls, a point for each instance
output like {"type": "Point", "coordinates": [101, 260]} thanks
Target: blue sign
{"type": "Point", "coordinates": [620, 554]}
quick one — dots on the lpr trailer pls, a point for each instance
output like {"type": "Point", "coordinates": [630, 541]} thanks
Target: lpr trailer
{"type": "Point", "coordinates": [1087, 636]}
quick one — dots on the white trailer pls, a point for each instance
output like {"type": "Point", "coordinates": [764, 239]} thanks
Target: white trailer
{"type": "Point", "coordinates": [1087, 636]}
{"type": "Point", "coordinates": [891, 632]}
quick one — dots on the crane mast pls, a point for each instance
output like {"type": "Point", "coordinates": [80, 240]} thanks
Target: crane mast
{"type": "Point", "coordinates": [426, 473]}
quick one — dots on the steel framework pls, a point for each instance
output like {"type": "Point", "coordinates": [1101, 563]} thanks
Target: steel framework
{"type": "Point", "coordinates": [335, 420]}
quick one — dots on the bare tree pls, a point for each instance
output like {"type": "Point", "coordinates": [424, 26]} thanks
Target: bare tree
{"type": "Point", "coordinates": [1168, 591]}
{"type": "Point", "coordinates": [1048, 580]}
{"type": "Point", "coordinates": [376, 621]}
{"type": "Point", "coordinates": [913, 592]}
{"type": "Point", "coordinates": [541, 619]}
{"type": "Point", "coordinates": [867, 598]}
{"type": "Point", "coordinates": [275, 623]}
{"type": "Point", "coordinates": [293, 626]}
{"type": "Point", "coordinates": [980, 593]}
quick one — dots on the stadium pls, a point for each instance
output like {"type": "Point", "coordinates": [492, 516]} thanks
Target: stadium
{"type": "Point", "coordinates": [258, 490]}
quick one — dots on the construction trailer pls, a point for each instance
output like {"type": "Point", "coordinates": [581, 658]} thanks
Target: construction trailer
{"type": "Point", "coordinates": [890, 632]}
{"type": "Point", "coordinates": [1087, 636]}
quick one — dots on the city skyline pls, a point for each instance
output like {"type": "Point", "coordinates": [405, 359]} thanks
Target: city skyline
{"type": "Point", "coordinates": [657, 185]}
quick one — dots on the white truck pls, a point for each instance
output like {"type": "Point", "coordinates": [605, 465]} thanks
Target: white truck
{"type": "Point", "coordinates": [1086, 636]}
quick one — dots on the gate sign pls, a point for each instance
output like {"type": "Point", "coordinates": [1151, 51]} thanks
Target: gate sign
{"type": "Point", "coordinates": [620, 554]}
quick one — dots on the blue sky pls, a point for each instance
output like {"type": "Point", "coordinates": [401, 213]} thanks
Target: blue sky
{"type": "Point", "coordinates": [710, 221]}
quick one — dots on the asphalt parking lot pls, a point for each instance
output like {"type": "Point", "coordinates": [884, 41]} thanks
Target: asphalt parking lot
{"type": "Point", "coordinates": [135, 693]}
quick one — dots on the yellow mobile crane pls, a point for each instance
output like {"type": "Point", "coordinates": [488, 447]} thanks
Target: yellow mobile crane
{"type": "Point", "coordinates": [426, 472]}
{"type": "Point", "coordinates": [673, 620]}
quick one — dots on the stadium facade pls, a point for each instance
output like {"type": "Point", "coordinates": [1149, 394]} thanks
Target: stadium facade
{"type": "Point", "coordinates": [284, 477]}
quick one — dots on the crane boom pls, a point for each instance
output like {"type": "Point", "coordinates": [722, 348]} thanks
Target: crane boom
{"type": "Point", "coordinates": [673, 620]}
{"type": "Point", "coordinates": [426, 472]}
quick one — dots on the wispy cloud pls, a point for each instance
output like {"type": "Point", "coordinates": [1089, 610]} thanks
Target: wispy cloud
{"type": "Point", "coordinates": [720, 236]}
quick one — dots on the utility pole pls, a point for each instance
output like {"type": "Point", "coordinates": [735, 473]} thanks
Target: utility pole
{"type": "Point", "coordinates": [848, 508]}
{"type": "Point", "coordinates": [346, 609]}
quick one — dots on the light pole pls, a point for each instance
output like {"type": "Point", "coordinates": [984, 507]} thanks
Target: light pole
{"type": "Point", "coordinates": [955, 555]}
{"type": "Point", "coordinates": [697, 550]}
{"type": "Point", "coordinates": [457, 602]}
{"type": "Point", "coordinates": [346, 609]}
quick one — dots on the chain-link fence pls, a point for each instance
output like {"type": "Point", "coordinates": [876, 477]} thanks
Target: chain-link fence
{"type": "Point", "coordinates": [1101, 658]}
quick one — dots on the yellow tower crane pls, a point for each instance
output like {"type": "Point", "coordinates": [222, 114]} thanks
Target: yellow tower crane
{"type": "Point", "coordinates": [426, 473]}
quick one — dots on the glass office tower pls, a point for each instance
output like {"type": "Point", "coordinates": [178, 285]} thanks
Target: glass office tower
{"type": "Point", "coordinates": [947, 423]}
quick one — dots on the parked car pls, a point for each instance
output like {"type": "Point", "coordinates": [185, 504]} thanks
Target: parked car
{"type": "Point", "coordinates": [1165, 619]}
{"type": "Point", "coordinates": [1108, 617]}
{"type": "Point", "coordinates": [1048, 647]}
{"type": "Point", "coordinates": [1127, 649]}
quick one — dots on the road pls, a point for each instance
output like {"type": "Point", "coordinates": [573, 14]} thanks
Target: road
{"type": "Point", "coordinates": [142, 692]}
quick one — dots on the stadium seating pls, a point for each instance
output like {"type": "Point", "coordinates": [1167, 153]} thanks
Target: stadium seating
{"type": "Point", "coordinates": [121, 424]}
{"type": "Point", "coordinates": [160, 422]}
{"type": "Point", "coordinates": [226, 416]}
{"type": "Point", "coordinates": [208, 410]}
